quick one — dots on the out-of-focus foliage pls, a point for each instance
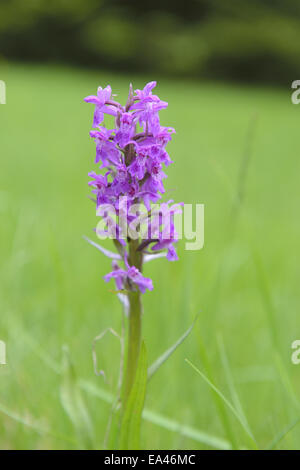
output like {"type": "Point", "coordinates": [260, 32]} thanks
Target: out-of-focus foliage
{"type": "Point", "coordinates": [237, 39]}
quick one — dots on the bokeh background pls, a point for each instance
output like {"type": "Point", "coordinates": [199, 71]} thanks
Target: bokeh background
{"type": "Point", "coordinates": [226, 70]}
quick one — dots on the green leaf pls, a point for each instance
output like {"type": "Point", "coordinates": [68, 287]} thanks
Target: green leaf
{"type": "Point", "coordinates": [74, 405]}
{"type": "Point", "coordinates": [159, 362]}
{"type": "Point", "coordinates": [131, 421]}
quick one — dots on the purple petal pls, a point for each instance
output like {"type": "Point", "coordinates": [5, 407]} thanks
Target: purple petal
{"type": "Point", "coordinates": [92, 99]}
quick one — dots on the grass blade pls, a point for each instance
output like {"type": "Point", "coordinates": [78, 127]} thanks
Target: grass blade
{"type": "Point", "coordinates": [244, 168]}
{"type": "Point", "coordinates": [74, 405]}
{"type": "Point", "coordinates": [162, 421]}
{"type": "Point", "coordinates": [150, 416]}
{"type": "Point", "coordinates": [159, 362]}
{"type": "Point", "coordinates": [186, 431]}
{"type": "Point", "coordinates": [220, 406]}
{"type": "Point", "coordinates": [265, 291]}
{"type": "Point", "coordinates": [220, 394]}
{"type": "Point", "coordinates": [34, 425]}
{"type": "Point", "coordinates": [282, 434]}
{"type": "Point", "coordinates": [233, 392]}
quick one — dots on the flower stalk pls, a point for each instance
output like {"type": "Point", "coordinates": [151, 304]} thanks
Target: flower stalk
{"type": "Point", "coordinates": [134, 342]}
{"type": "Point", "coordinates": [135, 325]}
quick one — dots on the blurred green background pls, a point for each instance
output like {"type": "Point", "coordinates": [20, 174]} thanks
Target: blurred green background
{"type": "Point", "coordinates": [250, 40]}
{"type": "Point", "coordinates": [236, 150]}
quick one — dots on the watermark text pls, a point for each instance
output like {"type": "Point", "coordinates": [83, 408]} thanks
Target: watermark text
{"type": "Point", "coordinates": [296, 94]}
{"type": "Point", "coordinates": [2, 92]}
{"type": "Point", "coordinates": [295, 357]}
{"type": "Point", "coordinates": [2, 352]}
{"type": "Point", "coordinates": [158, 223]}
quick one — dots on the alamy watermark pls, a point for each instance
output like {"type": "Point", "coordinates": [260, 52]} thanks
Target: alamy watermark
{"type": "Point", "coordinates": [295, 357]}
{"type": "Point", "coordinates": [157, 222]}
{"type": "Point", "coordinates": [2, 92]}
{"type": "Point", "coordinates": [296, 94]}
{"type": "Point", "coordinates": [2, 352]}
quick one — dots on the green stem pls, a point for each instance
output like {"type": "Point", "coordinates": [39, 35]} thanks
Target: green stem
{"type": "Point", "coordinates": [135, 326]}
{"type": "Point", "coordinates": [134, 341]}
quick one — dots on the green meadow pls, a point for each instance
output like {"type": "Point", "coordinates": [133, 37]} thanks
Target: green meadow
{"type": "Point", "coordinates": [236, 150]}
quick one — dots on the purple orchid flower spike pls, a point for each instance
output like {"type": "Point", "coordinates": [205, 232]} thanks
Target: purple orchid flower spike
{"type": "Point", "coordinates": [132, 156]}
{"type": "Point", "coordinates": [134, 161]}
